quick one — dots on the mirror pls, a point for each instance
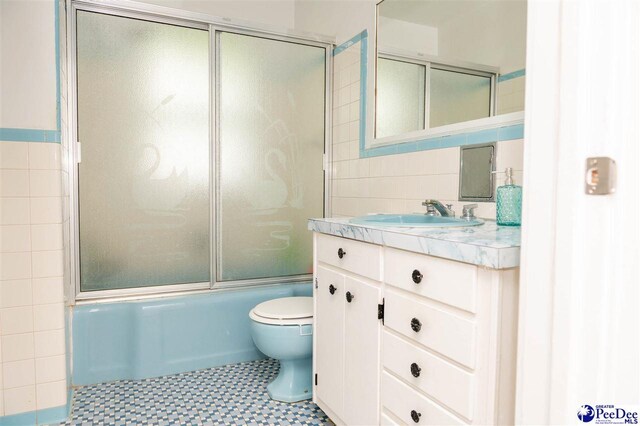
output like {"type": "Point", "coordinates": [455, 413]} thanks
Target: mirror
{"type": "Point", "coordinates": [477, 162]}
{"type": "Point", "coordinates": [447, 62]}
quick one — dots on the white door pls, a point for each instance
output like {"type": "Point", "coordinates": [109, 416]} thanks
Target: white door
{"type": "Point", "coordinates": [362, 352]}
{"type": "Point", "coordinates": [329, 338]}
{"type": "Point", "coordinates": [579, 326]}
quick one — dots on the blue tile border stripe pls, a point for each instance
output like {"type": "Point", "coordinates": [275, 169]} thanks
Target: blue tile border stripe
{"type": "Point", "coordinates": [22, 419]}
{"type": "Point", "coordinates": [35, 135]}
{"type": "Point", "coordinates": [347, 44]}
{"type": "Point", "coordinates": [363, 91]}
{"type": "Point", "coordinates": [40, 417]}
{"type": "Point", "coordinates": [511, 75]}
{"type": "Point", "coordinates": [29, 135]}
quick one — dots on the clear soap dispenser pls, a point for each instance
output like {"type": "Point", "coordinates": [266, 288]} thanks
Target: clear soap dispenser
{"type": "Point", "coordinates": [509, 201]}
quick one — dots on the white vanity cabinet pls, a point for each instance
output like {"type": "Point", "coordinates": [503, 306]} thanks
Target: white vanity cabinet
{"type": "Point", "coordinates": [424, 340]}
{"type": "Point", "coordinates": [347, 293]}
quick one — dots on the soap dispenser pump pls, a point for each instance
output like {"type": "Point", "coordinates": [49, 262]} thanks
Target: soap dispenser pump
{"type": "Point", "coordinates": [509, 201]}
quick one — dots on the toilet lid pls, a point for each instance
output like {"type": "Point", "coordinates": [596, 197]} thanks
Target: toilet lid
{"type": "Point", "coordinates": [277, 321]}
{"type": "Point", "coordinates": [286, 308]}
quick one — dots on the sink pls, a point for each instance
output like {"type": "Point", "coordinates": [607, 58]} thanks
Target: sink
{"type": "Point", "coordinates": [413, 221]}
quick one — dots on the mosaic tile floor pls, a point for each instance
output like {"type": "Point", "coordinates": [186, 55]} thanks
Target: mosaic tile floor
{"type": "Point", "coordinates": [230, 395]}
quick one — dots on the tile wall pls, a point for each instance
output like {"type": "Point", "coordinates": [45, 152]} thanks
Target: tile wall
{"type": "Point", "coordinates": [511, 95]}
{"type": "Point", "coordinates": [32, 328]}
{"type": "Point", "coordinates": [393, 183]}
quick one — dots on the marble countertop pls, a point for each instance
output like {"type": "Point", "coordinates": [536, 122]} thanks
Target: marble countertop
{"type": "Point", "coordinates": [490, 245]}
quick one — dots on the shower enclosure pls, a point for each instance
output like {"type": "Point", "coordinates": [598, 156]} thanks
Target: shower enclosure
{"type": "Point", "coordinates": [200, 152]}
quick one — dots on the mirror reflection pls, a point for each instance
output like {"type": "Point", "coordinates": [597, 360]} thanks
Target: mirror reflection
{"type": "Point", "coordinates": [445, 62]}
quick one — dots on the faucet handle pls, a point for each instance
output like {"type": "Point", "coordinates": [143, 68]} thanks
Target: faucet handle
{"type": "Point", "coordinates": [468, 211]}
{"type": "Point", "coordinates": [431, 210]}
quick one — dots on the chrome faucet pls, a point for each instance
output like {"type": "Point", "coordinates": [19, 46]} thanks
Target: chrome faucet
{"type": "Point", "coordinates": [468, 211]}
{"type": "Point", "coordinates": [434, 206]}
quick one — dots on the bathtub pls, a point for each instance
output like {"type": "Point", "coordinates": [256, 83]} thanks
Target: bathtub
{"type": "Point", "coordinates": [156, 337]}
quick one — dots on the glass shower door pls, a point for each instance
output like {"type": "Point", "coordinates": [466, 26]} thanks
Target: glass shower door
{"type": "Point", "coordinates": [143, 182]}
{"type": "Point", "coordinates": [271, 132]}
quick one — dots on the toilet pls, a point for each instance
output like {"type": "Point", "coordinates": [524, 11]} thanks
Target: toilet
{"type": "Point", "coordinates": [283, 329]}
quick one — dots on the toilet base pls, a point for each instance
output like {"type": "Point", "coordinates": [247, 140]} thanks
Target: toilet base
{"type": "Point", "coordinates": [294, 382]}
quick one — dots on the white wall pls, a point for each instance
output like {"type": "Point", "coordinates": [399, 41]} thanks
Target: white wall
{"type": "Point", "coordinates": [275, 13]}
{"type": "Point", "coordinates": [341, 18]}
{"type": "Point", "coordinates": [27, 65]}
{"type": "Point", "coordinates": [407, 36]}
{"type": "Point", "coordinates": [473, 37]}
{"type": "Point", "coordinates": [579, 327]}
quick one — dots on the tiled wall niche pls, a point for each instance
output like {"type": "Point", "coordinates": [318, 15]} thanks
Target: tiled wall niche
{"type": "Point", "coordinates": [395, 183]}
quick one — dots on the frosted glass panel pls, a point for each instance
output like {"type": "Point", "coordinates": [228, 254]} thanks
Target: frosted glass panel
{"type": "Point", "coordinates": [456, 97]}
{"type": "Point", "coordinates": [143, 121]}
{"type": "Point", "coordinates": [400, 97]}
{"type": "Point", "coordinates": [271, 124]}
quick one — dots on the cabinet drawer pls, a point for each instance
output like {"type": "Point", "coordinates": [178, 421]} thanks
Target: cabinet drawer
{"type": "Point", "coordinates": [354, 256]}
{"type": "Point", "coordinates": [453, 283]}
{"type": "Point", "coordinates": [442, 331]}
{"type": "Point", "coordinates": [450, 385]}
{"type": "Point", "coordinates": [401, 400]}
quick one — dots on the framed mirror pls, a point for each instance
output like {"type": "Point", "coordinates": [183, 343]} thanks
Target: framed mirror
{"type": "Point", "coordinates": [447, 67]}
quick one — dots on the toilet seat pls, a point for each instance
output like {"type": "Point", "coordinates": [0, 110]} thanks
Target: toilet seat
{"type": "Point", "coordinates": [284, 311]}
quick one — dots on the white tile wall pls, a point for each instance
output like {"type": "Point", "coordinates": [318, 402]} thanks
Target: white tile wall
{"type": "Point", "coordinates": [511, 95]}
{"type": "Point", "coordinates": [32, 337]}
{"type": "Point", "coordinates": [14, 211]}
{"type": "Point", "coordinates": [19, 400]}
{"type": "Point", "coordinates": [395, 183]}
{"type": "Point", "coordinates": [16, 347]}
{"type": "Point", "coordinates": [51, 394]}
{"type": "Point", "coordinates": [15, 293]}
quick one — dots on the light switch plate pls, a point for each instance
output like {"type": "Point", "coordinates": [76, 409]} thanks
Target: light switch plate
{"type": "Point", "coordinates": [600, 176]}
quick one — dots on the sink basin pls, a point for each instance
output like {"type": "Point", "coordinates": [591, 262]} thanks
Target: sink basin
{"type": "Point", "coordinates": [413, 221]}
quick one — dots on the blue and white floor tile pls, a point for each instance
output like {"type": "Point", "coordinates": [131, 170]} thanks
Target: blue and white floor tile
{"type": "Point", "coordinates": [230, 395]}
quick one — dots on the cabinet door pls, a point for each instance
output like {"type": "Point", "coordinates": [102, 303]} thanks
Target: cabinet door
{"type": "Point", "coordinates": [362, 353]}
{"type": "Point", "coordinates": [329, 338]}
